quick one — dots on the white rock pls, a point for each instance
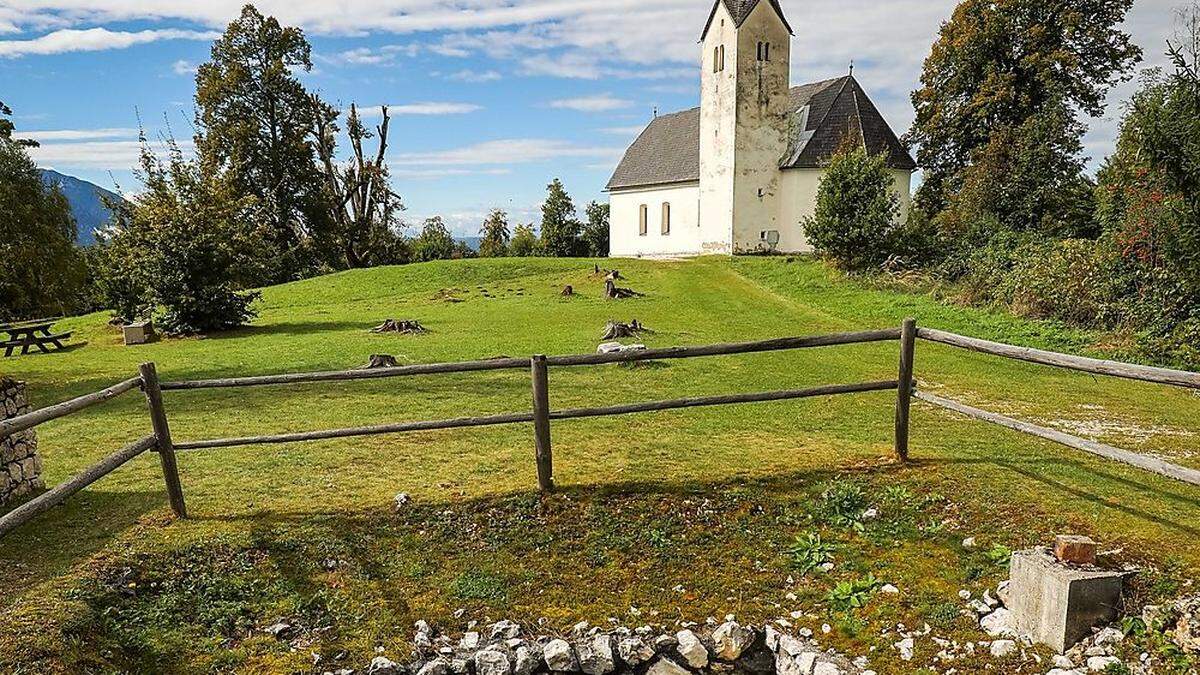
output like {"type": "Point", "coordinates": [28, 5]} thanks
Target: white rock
{"type": "Point", "coordinates": [691, 649]}
{"type": "Point", "coordinates": [280, 629]}
{"type": "Point", "coordinates": [805, 632]}
{"type": "Point", "coordinates": [381, 665]}
{"type": "Point", "coordinates": [997, 623]}
{"type": "Point", "coordinates": [1108, 636]}
{"type": "Point", "coordinates": [422, 627]}
{"type": "Point", "coordinates": [1060, 671]}
{"type": "Point", "coordinates": [730, 639]}
{"type": "Point", "coordinates": [890, 589]}
{"type": "Point", "coordinates": [1002, 592]}
{"type": "Point", "coordinates": [469, 641]}
{"type": "Point", "coordinates": [987, 598]}
{"type": "Point", "coordinates": [906, 648]}
{"type": "Point", "coordinates": [492, 662]}
{"type": "Point", "coordinates": [524, 661]}
{"type": "Point", "coordinates": [1003, 648]}
{"type": "Point", "coordinates": [505, 630]}
{"type": "Point", "coordinates": [665, 666]}
{"type": "Point", "coordinates": [435, 667]}
{"type": "Point", "coordinates": [596, 655]}
{"type": "Point", "coordinates": [1061, 661]}
{"type": "Point", "coordinates": [827, 668]}
{"type": "Point", "coordinates": [801, 663]}
{"type": "Point", "coordinates": [969, 542]}
{"type": "Point", "coordinates": [1097, 664]}
{"type": "Point", "coordinates": [634, 651]}
{"type": "Point", "coordinates": [559, 656]}
{"type": "Point", "coordinates": [964, 594]}
{"type": "Point", "coordinates": [771, 637]}
{"type": "Point", "coordinates": [826, 628]}
{"type": "Point", "coordinates": [871, 513]}
{"type": "Point", "coordinates": [827, 567]}
{"type": "Point", "coordinates": [401, 500]}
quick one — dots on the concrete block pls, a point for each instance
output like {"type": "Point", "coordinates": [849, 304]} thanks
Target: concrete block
{"type": "Point", "coordinates": [137, 333]}
{"type": "Point", "coordinates": [1057, 604]}
{"type": "Point", "coordinates": [1070, 548]}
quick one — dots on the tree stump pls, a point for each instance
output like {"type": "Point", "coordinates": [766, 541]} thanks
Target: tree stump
{"type": "Point", "coordinates": [615, 329]}
{"type": "Point", "coordinates": [613, 292]}
{"type": "Point", "coordinates": [568, 291]}
{"type": "Point", "coordinates": [406, 327]}
{"type": "Point", "coordinates": [381, 361]}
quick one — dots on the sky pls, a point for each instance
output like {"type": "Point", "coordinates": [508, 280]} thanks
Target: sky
{"type": "Point", "coordinates": [491, 99]}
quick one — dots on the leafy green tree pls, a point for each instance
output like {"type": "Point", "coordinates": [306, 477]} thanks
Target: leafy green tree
{"type": "Point", "coordinates": [176, 251]}
{"type": "Point", "coordinates": [524, 242]}
{"type": "Point", "coordinates": [495, 235]}
{"type": "Point", "coordinates": [856, 210]}
{"type": "Point", "coordinates": [41, 269]}
{"type": "Point", "coordinates": [255, 124]}
{"type": "Point", "coordinates": [434, 242]}
{"type": "Point", "coordinates": [998, 63]}
{"type": "Point", "coordinates": [595, 234]}
{"type": "Point", "coordinates": [560, 226]}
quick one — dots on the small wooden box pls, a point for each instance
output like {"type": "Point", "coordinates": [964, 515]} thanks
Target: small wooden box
{"type": "Point", "coordinates": [137, 333]}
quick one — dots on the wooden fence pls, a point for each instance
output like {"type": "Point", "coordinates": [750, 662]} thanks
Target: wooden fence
{"type": "Point", "coordinates": [540, 415]}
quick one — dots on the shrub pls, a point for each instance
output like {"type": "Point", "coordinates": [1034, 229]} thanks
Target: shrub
{"type": "Point", "coordinates": [848, 595]}
{"type": "Point", "coordinates": [434, 242]}
{"type": "Point", "coordinates": [524, 242]}
{"type": "Point", "coordinates": [810, 552]}
{"type": "Point", "coordinates": [843, 503]}
{"type": "Point", "coordinates": [856, 211]}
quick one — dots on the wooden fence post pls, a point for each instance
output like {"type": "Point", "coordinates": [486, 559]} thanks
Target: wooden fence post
{"type": "Point", "coordinates": [904, 386]}
{"type": "Point", "coordinates": [541, 423]}
{"type": "Point", "coordinates": [162, 433]}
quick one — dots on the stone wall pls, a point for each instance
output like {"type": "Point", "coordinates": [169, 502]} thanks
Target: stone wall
{"type": "Point", "coordinates": [20, 464]}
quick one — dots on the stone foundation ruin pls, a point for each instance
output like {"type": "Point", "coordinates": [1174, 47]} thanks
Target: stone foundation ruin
{"type": "Point", "coordinates": [20, 464]}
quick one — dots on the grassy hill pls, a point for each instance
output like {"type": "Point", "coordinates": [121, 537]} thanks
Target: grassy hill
{"type": "Point", "coordinates": [705, 500]}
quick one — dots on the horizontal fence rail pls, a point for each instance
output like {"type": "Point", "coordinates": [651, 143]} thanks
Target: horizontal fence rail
{"type": "Point", "coordinates": [1129, 371]}
{"type": "Point", "coordinates": [1152, 464]}
{"type": "Point", "coordinates": [507, 363]}
{"type": "Point", "coordinates": [59, 493]}
{"type": "Point", "coordinates": [30, 420]}
{"type": "Point", "coordinates": [519, 418]}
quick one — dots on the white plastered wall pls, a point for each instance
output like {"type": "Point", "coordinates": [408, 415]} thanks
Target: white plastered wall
{"type": "Point", "coordinates": [624, 221]}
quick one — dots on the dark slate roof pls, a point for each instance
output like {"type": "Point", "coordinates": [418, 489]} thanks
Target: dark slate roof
{"type": "Point", "coordinates": [668, 150]}
{"type": "Point", "coordinates": [740, 11]}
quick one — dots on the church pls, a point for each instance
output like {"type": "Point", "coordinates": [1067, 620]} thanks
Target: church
{"type": "Point", "coordinates": [739, 174]}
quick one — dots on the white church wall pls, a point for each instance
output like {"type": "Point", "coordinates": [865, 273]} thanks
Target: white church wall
{"type": "Point", "coordinates": [625, 221]}
{"type": "Point", "coordinates": [800, 187]}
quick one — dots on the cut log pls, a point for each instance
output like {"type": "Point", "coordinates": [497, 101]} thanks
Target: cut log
{"type": "Point", "coordinates": [613, 292]}
{"type": "Point", "coordinates": [404, 326]}
{"type": "Point", "coordinates": [381, 361]}
{"type": "Point", "coordinates": [615, 329]}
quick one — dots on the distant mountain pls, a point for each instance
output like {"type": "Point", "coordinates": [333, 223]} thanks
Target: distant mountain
{"type": "Point", "coordinates": [85, 200]}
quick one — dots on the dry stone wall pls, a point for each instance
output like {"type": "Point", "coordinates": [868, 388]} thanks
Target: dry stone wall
{"type": "Point", "coordinates": [20, 464]}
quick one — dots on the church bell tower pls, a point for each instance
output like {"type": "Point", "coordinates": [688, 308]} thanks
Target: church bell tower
{"type": "Point", "coordinates": [744, 79]}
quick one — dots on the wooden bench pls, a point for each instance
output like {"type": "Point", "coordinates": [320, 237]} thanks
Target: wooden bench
{"type": "Point", "coordinates": [29, 337]}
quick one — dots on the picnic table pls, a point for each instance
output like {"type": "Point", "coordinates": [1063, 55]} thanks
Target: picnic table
{"type": "Point", "coordinates": [36, 334]}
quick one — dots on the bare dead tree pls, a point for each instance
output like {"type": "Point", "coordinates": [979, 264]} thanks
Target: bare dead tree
{"type": "Point", "coordinates": [362, 204]}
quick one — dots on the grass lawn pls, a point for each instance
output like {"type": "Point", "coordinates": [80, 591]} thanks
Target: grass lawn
{"type": "Point", "coordinates": [683, 514]}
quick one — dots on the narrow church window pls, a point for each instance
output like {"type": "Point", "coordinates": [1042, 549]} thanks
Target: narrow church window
{"type": "Point", "coordinates": [721, 49]}
{"type": "Point", "coordinates": [766, 51]}
{"type": "Point", "coordinates": [643, 214]}
{"type": "Point", "coordinates": [759, 53]}
{"type": "Point", "coordinates": [716, 59]}
{"type": "Point", "coordinates": [666, 218]}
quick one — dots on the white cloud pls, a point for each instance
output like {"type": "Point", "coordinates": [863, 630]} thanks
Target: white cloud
{"type": "Point", "coordinates": [597, 103]}
{"type": "Point", "coordinates": [49, 135]}
{"type": "Point", "coordinates": [183, 67]}
{"type": "Point", "coordinates": [504, 151]}
{"type": "Point", "coordinates": [116, 155]}
{"type": "Point", "coordinates": [474, 76]}
{"type": "Point", "coordinates": [94, 39]}
{"type": "Point", "coordinates": [422, 108]}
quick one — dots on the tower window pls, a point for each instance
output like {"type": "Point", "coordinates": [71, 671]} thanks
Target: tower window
{"type": "Point", "coordinates": [764, 51]}
{"type": "Point", "coordinates": [666, 218]}
{"type": "Point", "coordinates": [643, 214]}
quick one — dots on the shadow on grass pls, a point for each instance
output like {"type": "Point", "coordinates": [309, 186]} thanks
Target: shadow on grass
{"type": "Point", "coordinates": [293, 328]}
{"type": "Point", "coordinates": [62, 538]}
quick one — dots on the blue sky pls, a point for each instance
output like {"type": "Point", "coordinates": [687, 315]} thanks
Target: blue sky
{"type": "Point", "coordinates": [491, 99]}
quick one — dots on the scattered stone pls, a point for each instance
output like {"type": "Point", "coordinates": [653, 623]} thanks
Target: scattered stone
{"type": "Point", "coordinates": [280, 630]}
{"type": "Point", "coordinates": [1003, 648]}
{"type": "Point", "coordinates": [1097, 664]}
{"type": "Point", "coordinates": [492, 661]}
{"type": "Point", "coordinates": [889, 589]}
{"type": "Point", "coordinates": [559, 656]}
{"type": "Point", "coordinates": [596, 655]}
{"type": "Point", "coordinates": [401, 500]}
{"type": "Point", "coordinates": [964, 594]}
{"type": "Point", "coordinates": [997, 623]}
{"type": "Point", "coordinates": [469, 641]}
{"type": "Point", "coordinates": [634, 651]}
{"type": "Point", "coordinates": [1187, 625]}
{"type": "Point", "coordinates": [381, 665]}
{"type": "Point", "coordinates": [1063, 662]}
{"type": "Point", "coordinates": [691, 649]}
{"type": "Point", "coordinates": [524, 662]}
{"type": "Point", "coordinates": [505, 630]}
{"type": "Point", "coordinates": [906, 647]}
{"type": "Point", "coordinates": [969, 542]}
{"type": "Point", "coordinates": [1074, 549]}
{"type": "Point", "coordinates": [435, 667]}
{"type": "Point", "coordinates": [665, 666]}
{"type": "Point", "coordinates": [730, 639]}
{"type": "Point", "coordinates": [1002, 592]}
